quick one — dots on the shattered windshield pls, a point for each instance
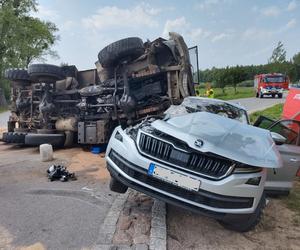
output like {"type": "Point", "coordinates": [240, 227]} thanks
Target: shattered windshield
{"type": "Point", "coordinates": [191, 105]}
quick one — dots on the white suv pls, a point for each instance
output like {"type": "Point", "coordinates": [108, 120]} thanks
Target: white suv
{"type": "Point", "coordinates": [200, 161]}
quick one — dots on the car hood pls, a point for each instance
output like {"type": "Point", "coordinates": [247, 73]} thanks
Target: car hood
{"type": "Point", "coordinates": [225, 137]}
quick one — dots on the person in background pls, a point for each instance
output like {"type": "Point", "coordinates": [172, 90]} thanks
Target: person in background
{"type": "Point", "coordinates": [209, 91]}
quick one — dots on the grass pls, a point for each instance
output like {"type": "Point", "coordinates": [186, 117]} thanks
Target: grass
{"type": "Point", "coordinates": [273, 112]}
{"type": "Point", "coordinates": [242, 92]}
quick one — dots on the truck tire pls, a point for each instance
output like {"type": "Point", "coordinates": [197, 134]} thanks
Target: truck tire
{"type": "Point", "coordinates": [117, 186]}
{"type": "Point", "coordinates": [14, 137]}
{"type": "Point", "coordinates": [129, 48]}
{"type": "Point", "coordinates": [250, 222]}
{"type": "Point", "coordinates": [18, 75]}
{"type": "Point", "coordinates": [45, 73]}
{"type": "Point", "coordinates": [56, 140]}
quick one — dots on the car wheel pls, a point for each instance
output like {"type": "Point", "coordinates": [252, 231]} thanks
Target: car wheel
{"type": "Point", "coordinates": [279, 95]}
{"type": "Point", "coordinates": [117, 186]}
{"type": "Point", "coordinates": [46, 73]}
{"type": "Point", "coordinates": [56, 140]}
{"type": "Point", "coordinates": [261, 95]}
{"type": "Point", "coordinates": [128, 48]}
{"type": "Point", "coordinates": [249, 222]}
{"type": "Point", "coordinates": [273, 95]}
{"type": "Point", "coordinates": [257, 95]}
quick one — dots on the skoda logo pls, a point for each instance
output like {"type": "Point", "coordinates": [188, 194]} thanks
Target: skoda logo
{"type": "Point", "coordinates": [199, 143]}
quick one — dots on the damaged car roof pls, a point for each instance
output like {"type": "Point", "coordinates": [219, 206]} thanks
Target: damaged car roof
{"type": "Point", "coordinates": [225, 137]}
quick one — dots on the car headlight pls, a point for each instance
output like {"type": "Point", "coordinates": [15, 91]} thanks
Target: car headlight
{"type": "Point", "coordinates": [263, 90]}
{"type": "Point", "coordinates": [243, 169]}
{"type": "Point", "coordinates": [145, 127]}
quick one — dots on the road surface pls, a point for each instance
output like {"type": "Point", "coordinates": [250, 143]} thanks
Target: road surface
{"type": "Point", "coordinates": [253, 104]}
{"type": "Point", "coordinates": [38, 214]}
{"type": "Point", "coordinates": [4, 118]}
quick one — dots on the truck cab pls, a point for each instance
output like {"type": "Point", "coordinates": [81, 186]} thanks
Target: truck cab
{"type": "Point", "coordinates": [271, 84]}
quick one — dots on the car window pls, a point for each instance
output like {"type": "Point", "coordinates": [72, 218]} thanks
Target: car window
{"type": "Point", "coordinates": [288, 129]}
{"type": "Point", "coordinates": [263, 122]}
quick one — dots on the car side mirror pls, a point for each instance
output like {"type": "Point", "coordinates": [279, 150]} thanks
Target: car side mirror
{"type": "Point", "coordinates": [278, 139]}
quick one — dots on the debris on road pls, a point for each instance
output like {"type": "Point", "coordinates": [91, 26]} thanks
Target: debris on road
{"type": "Point", "coordinates": [60, 173]}
{"type": "Point", "coordinates": [46, 152]}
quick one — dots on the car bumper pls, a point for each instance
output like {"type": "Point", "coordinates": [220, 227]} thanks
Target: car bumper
{"type": "Point", "coordinates": [270, 92]}
{"type": "Point", "coordinates": [220, 199]}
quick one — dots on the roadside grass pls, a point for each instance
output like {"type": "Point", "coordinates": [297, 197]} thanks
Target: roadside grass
{"type": "Point", "coordinates": [293, 201]}
{"type": "Point", "coordinates": [3, 109]}
{"type": "Point", "coordinates": [242, 92]}
{"type": "Point", "coordinates": [273, 112]}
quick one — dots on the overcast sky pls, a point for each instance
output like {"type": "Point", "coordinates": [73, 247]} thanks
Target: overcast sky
{"type": "Point", "coordinates": [227, 32]}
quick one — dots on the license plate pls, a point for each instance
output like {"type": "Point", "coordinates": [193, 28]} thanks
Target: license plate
{"type": "Point", "coordinates": [173, 177]}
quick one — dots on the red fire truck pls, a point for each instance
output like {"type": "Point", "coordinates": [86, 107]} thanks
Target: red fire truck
{"type": "Point", "coordinates": [271, 84]}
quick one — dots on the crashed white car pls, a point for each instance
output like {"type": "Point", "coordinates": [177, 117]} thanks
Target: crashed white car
{"type": "Point", "coordinates": [200, 161]}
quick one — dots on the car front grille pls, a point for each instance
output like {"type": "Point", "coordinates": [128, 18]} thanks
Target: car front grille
{"type": "Point", "coordinates": [200, 197]}
{"type": "Point", "coordinates": [199, 163]}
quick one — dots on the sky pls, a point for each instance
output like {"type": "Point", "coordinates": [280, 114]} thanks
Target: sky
{"type": "Point", "coordinates": [227, 32]}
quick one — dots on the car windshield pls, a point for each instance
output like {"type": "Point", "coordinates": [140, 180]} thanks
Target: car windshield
{"type": "Point", "coordinates": [190, 105]}
{"type": "Point", "coordinates": [272, 79]}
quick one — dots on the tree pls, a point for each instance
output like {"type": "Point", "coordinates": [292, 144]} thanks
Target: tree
{"type": "Point", "coordinates": [23, 38]}
{"type": "Point", "coordinates": [296, 62]}
{"type": "Point", "coordinates": [279, 54]}
{"type": "Point", "coordinates": [238, 75]}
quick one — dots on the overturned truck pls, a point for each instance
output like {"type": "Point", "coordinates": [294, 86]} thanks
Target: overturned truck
{"type": "Point", "coordinates": [132, 80]}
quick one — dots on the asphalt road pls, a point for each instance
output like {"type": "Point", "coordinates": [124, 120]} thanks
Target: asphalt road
{"type": "Point", "coordinates": [4, 118]}
{"type": "Point", "coordinates": [38, 214]}
{"type": "Point", "coordinates": [255, 104]}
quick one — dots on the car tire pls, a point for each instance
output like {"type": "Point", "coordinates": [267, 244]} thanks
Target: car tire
{"type": "Point", "coordinates": [257, 95]}
{"type": "Point", "coordinates": [14, 137]}
{"type": "Point", "coordinates": [273, 95]}
{"type": "Point", "coordinates": [117, 186]}
{"type": "Point", "coordinates": [249, 222]}
{"type": "Point", "coordinates": [56, 140]}
{"type": "Point", "coordinates": [129, 48]}
{"type": "Point", "coordinates": [17, 75]}
{"type": "Point", "coordinates": [46, 73]}
{"type": "Point", "coordinates": [279, 95]}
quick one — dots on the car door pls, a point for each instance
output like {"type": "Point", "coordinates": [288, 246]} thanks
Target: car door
{"type": "Point", "coordinates": [281, 180]}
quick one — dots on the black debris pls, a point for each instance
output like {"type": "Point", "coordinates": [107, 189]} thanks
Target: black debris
{"type": "Point", "coordinates": [58, 172]}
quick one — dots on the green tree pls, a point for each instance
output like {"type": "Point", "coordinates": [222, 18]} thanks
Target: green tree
{"type": "Point", "coordinates": [296, 62]}
{"type": "Point", "coordinates": [23, 38]}
{"type": "Point", "coordinates": [279, 54]}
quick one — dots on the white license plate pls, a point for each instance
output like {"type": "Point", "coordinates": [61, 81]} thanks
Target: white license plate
{"type": "Point", "coordinates": [173, 177]}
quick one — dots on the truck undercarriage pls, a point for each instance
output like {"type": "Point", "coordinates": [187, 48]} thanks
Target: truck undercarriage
{"type": "Point", "coordinates": [132, 79]}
